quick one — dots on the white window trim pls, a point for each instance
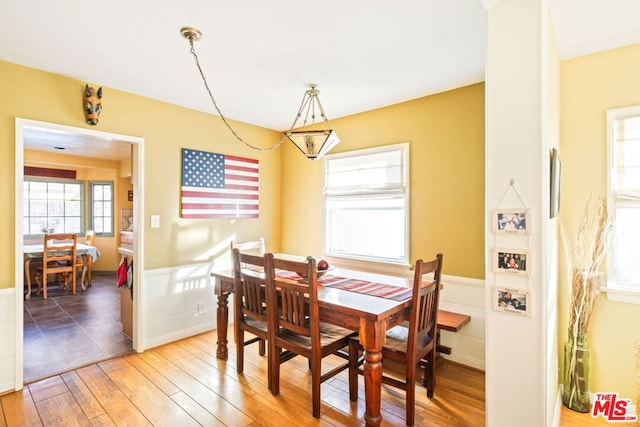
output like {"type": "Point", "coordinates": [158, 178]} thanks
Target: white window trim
{"type": "Point", "coordinates": [91, 218]}
{"type": "Point", "coordinates": [368, 263]}
{"type": "Point", "coordinates": [614, 291]}
{"type": "Point", "coordinates": [54, 180]}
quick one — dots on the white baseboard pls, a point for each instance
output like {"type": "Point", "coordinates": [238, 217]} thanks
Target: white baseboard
{"type": "Point", "coordinates": [466, 360]}
{"type": "Point", "coordinates": [179, 335]}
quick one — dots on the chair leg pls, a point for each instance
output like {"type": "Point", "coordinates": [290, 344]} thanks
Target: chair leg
{"type": "Point", "coordinates": [410, 398]}
{"type": "Point", "coordinates": [89, 267]}
{"type": "Point", "coordinates": [430, 374]}
{"type": "Point", "coordinates": [44, 286]}
{"type": "Point", "coordinates": [261, 348]}
{"type": "Point", "coordinates": [274, 359]}
{"type": "Point", "coordinates": [239, 351]}
{"type": "Point", "coordinates": [38, 280]}
{"type": "Point", "coordinates": [315, 385]}
{"type": "Point", "coordinates": [73, 282]}
{"type": "Point", "coordinates": [353, 370]}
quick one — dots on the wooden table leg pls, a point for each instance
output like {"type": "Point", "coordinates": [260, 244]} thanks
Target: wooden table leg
{"type": "Point", "coordinates": [86, 271]}
{"type": "Point", "coordinates": [222, 352]}
{"type": "Point", "coordinates": [372, 337]}
{"type": "Point", "coordinates": [27, 274]}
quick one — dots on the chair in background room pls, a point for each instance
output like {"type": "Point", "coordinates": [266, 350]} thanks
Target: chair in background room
{"type": "Point", "coordinates": [58, 256]}
{"type": "Point", "coordinates": [250, 312]}
{"type": "Point", "coordinates": [89, 240]}
{"type": "Point", "coordinates": [413, 345]}
{"type": "Point", "coordinates": [255, 247]}
{"type": "Point", "coordinates": [294, 324]}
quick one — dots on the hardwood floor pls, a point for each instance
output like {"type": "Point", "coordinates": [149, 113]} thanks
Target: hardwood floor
{"type": "Point", "coordinates": [183, 384]}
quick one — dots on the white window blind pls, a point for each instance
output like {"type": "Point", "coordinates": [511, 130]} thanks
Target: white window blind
{"type": "Point", "coordinates": [366, 204]}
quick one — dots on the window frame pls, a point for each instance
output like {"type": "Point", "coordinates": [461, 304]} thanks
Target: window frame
{"type": "Point", "coordinates": [90, 202]}
{"type": "Point", "coordinates": [352, 194]}
{"type": "Point", "coordinates": [52, 180]}
{"type": "Point", "coordinates": [614, 290]}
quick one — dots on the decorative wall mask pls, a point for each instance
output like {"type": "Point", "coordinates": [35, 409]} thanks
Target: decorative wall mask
{"type": "Point", "coordinates": [92, 104]}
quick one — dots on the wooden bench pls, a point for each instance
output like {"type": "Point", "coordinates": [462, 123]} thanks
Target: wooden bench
{"type": "Point", "coordinates": [449, 321]}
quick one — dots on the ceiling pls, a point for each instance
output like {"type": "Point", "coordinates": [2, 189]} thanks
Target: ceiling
{"type": "Point", "coordinates": [259, 57]}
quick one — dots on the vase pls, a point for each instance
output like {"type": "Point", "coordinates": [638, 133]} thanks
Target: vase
{"type": "Point", "coordinates": [575, 394]}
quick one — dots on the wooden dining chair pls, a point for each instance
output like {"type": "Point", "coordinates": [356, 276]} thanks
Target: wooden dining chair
{"type": "Point", "coordinates": [85, 262]}
{"type": "Point", "coordinates": [250, 312]}
{"type": "Point", "coordinates": [58, 256]}
{"type": "Point", "coordinates": [294, 324]}
{"type": "Point", "coordinates": [410, 345]}
{"type": "Point", "coordinates": [255, 247]}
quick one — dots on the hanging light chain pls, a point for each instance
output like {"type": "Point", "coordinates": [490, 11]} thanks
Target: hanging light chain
{"type": "Point", "coordinates": [206, 85]}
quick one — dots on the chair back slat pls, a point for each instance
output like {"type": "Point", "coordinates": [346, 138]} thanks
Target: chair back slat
{"type": "Point", "coordinates": [250, 296]}
{"type": "Point", "coordinates": [254, 247]}
{"type": "Point", "coordinates": [295, 300]}
{"type": "Point", "coordinates": [89, 237]}
{"type": "Point", "coordinates": [58, 249]}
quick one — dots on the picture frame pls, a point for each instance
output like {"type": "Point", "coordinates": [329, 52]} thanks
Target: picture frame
{"type": "Point", "coordinates": [514, 301]}
{"type": "Point", "coordinates": [511, 261]}
{"type": "Point", "coordinates": [511, 221]}
{"type": "Point", "coordinates": [556, 172]}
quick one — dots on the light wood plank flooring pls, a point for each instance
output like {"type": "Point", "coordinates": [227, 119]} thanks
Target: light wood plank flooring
{"type": "Point", "coordinates": [183, 384]}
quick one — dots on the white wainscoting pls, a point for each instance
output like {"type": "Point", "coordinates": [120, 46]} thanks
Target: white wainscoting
{"type": "Point", "coordinates": [8, 339]}
{"type": "Point", "coordinates": [171, 297]}
{"type": "Point", "coordinates": [177, 303]}
{"type": "Point", "coordinates": [465, 296]}
{"type": "Point", "coordinates": [180, 302]}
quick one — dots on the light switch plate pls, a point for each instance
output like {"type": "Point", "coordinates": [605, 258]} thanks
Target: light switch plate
{"type": "Point", "coordinates": [155, 221]}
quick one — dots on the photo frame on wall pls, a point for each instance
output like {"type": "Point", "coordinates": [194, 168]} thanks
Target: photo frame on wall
{"type": "Point", "coordinates": [511, 221]}
{"type": "Point", "coordinates": [556, 172]}
{"type": "Point", "coordinates": [511, 261]}
{"type": "Point", "coordinates": [513, 301]}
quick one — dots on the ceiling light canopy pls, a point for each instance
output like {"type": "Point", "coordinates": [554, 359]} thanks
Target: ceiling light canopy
{"type": "Point", "coordinates": [312, 142]}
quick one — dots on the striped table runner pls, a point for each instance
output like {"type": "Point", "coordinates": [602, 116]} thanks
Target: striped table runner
{"type": "Point", "coordinates": [381, 290]}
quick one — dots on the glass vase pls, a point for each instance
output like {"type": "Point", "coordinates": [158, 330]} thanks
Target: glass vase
{"type": "Point", "coordinates": [575, 394]}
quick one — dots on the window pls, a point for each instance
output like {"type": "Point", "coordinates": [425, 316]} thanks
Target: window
{"type": "Point", "coordinates": [51, 204]}
{"type": "Point", "coordinates": [624, 203]}
{"type": "Point", "coordinates": [366, 204]}
{"type": "Point", "coordinates": [101, 202]}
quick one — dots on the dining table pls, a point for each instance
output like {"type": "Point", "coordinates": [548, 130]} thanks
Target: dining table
{"type": "Point", "coordinates": [35, 252]}
{"type": "Point", "coordinates": [367, 314]}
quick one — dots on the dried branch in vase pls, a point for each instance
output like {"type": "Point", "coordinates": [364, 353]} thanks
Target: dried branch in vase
{"type": "Point", "coordinates": [592, 243]}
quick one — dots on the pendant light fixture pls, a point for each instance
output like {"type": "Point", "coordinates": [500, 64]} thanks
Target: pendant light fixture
{"type": "Point", "coordinates": [312, 142]}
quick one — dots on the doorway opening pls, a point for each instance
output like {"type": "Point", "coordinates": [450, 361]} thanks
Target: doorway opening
{"type": "Point", "coordinates": [42, 137]}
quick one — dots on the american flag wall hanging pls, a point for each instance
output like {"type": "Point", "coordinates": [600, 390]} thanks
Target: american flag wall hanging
{"type": "Point", "coordinates": [218, 186]}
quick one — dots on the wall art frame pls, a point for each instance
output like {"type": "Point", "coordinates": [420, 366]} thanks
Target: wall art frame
{"type": "Point", "coordinates": [514, 301]}
{"type": "Point", "coordinates": [511, 261]}
{"type": "Point", "coordinates": [511, 221]}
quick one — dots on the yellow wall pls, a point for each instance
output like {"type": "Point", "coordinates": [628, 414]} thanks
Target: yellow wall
{"type": "Point", "coordinates": [446, 137]}
{"type": "Point", "coordinates": [590, 86]}
{"type": "Point", "coordinates": [166, 128]}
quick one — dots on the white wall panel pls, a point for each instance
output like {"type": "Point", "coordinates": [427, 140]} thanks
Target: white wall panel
{"type": "Point", "coordinates": [178, 302]}
{"type": "Point", "coordinates": [465, 296]}
{"type": "Point", "coordinates": [7, 338]}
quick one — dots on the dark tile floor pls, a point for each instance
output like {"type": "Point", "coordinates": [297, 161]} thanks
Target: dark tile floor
{"type": "Point", "coordinates": [68, 331]}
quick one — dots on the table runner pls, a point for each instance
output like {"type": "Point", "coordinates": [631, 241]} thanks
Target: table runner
{"type": "Point", "coordinates": [380, 290]}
